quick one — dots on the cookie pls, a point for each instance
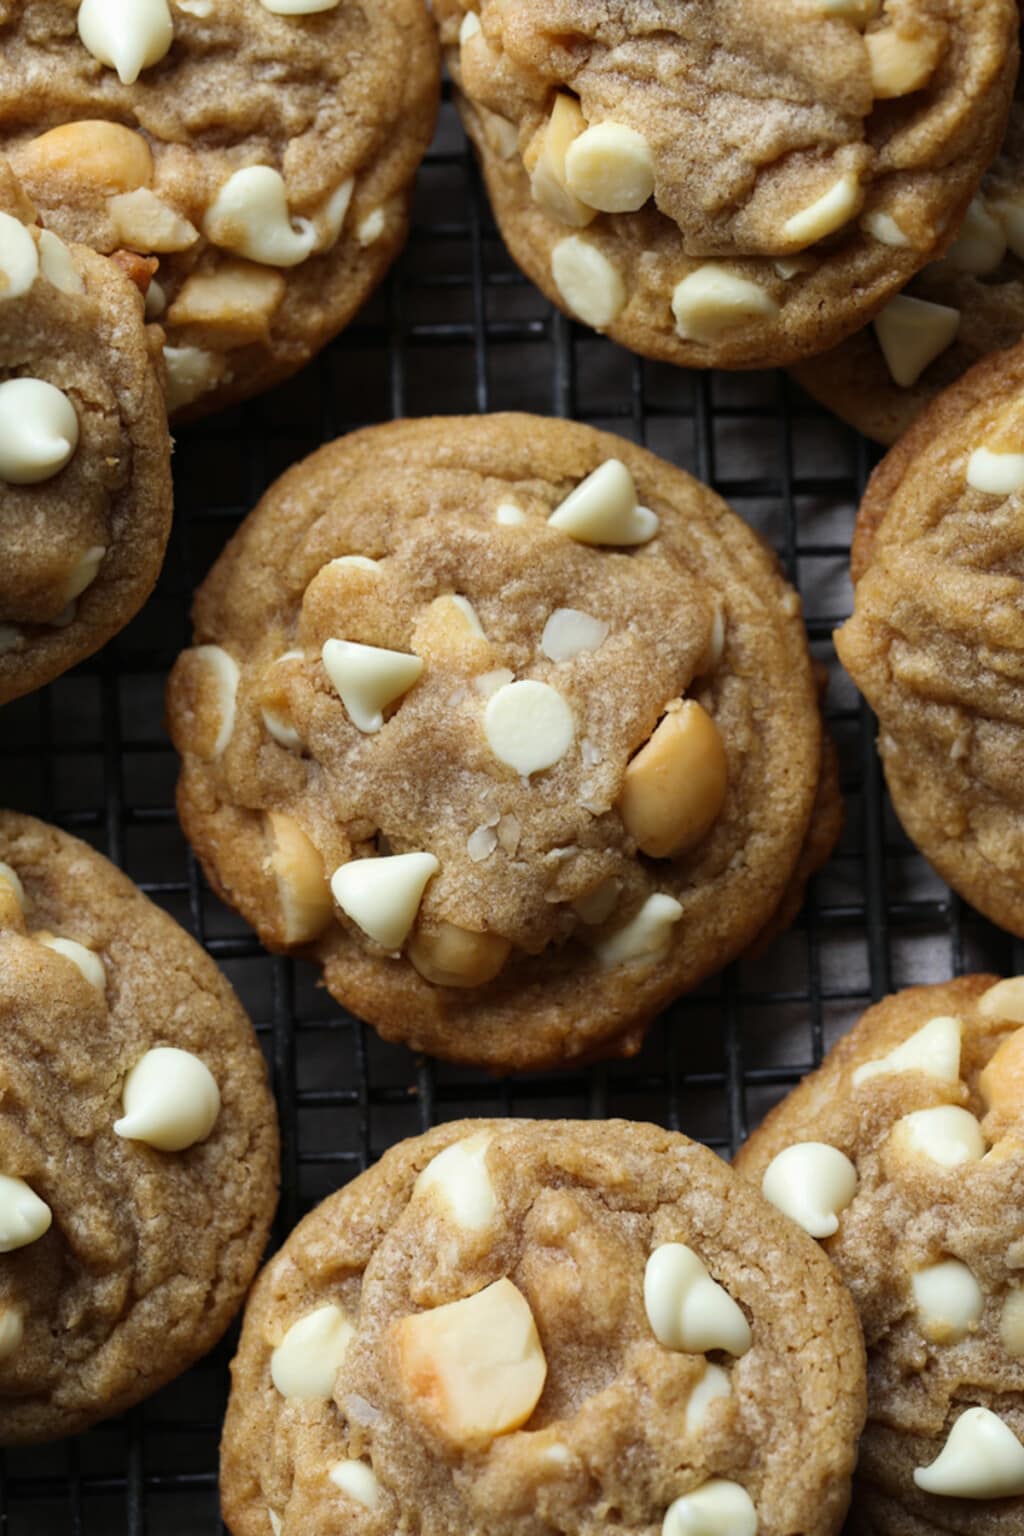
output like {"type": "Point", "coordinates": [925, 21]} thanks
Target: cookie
{"type": "Point", "coordinates": [953, 313]}
{"type": "Point", "coordinates": [85, 477]}
{"type": "Point", "coordinates": [508, 724]}
{"type": "Point", "coordinates": [733, 184]}
{"type": "Point", "coordinates": [512, 1326]}
{"type": "Point", "coordinates": [261, 150]}
{"type": "Point", "coordinates": [937, 633]}
{"type": "Point", "coordinates": [138, 1141]}
{"type": "Point", "coordinates": [904, 1155]}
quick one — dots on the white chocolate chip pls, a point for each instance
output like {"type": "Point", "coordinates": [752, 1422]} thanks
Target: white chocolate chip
{"type": "Point", "coordinates": [1011, 1324]}
{"type": "Point", "coordinates": [356, 562]}
{"type": "Point", "coordinates": [569, 632]}
{"type": "Point", "coordinates": [470, 615]}
{"type": "Point", "coordinates": [370, 229]}
{"type": "Point", "coordinates": [1004, 1001]}
{"type": "Point", "coordinates": [357, 1480]}
{"type": "Point", "coordinates": [981, 1459]}
{"type": "Point", "coordinates": [382, 895]}
{"type": "Point", "coordinates": [23, 1216]}
{"type": "Point", "coordinates": [368, 679]}
{"type": "Point", "coordinates": [597, 906]}
{"type": "Point", "coordinates": [948, 1135]}
{"type": "Point", "coordinates": [489, 682]}
{"type": "Point", "coordinates": [126, 35]}
{"type": "Point", "coordinates": [250, 216]}
{"type": "Point", "coordinates": [949, 1301]}
{"type": "Point", "coordinates": [330, 217]}
{"type": "Point", "coordinates": [459, 1177]}
{"type": "Point", "coordinates": [12, 1330]}
{"type": "Point", "coordinates": [1011, 215]}
{"type": "Point", "coordinates": [509, 833]}
{"type": "Point", "coordinates": [645, 936]}
{"type": "Point", "coordinates": [143, 222]}
{"type": "Point", "coordinates": [85, 960]}
{"type": "Point", "coordinates": [309, 1357]}
{"type": "Point", "coordinates": [171, 1100]}
{"type": "Point", "coordinates": [275, 1520]}
{"type": "Point", "coordinates": [469, 28]}
{"type": "Point", "coordinates": [475, 1368]}
{"type": "Point", "coordinates": [19, 258]}
{"type": "Point", "coordinates": [827, 213]}
{"type": "Point", "coordinates": [603, 509]}
{"type": "Point", "coordinates": [610, 167]}
{"type": "Point", "coordinates": [686, 1309]}
{"type": "Point", "coordinates": [481, 843]}
{"type": "Point", "coordinates": [934, 1049]}
{"type": "Point", "coordinates": [9, 877]}
{"type": "Point", "coordinates": [510, 514]}
{"type": "Point", "coordinates": [588, 283]}
{"type": "Point", "coordinates": [811, 1183]}
{"type": "Point", "coordinates": [997, 474]}
{"type": "Point", "coordinates": [912, 333]}
{"type": "Point", "coordinates": [716, 1508]}
{"type": "Point", "coordinates": [302, 887]}
{"type": "Point", "coordinates": [712, 301]}
{"type": "Point", "coordinates": [899, 63]}
{"type": "Point", "coordinates": [884, 228]}
{"type": "Point", "coordinates": [38, 431]}
{"type": "Point", "coordinates": [278, 720]}
{"type": "Point", "coordinates": [191, 372]}
{"type": "Point", "coordinates": [713, 1385]}
{"type": "Point", "coordinates": [84, 572]}
{"type": "Point", "coordinates": [529, 726]}
{"type": "Point", "coordinates": [545, 159]}
{"type": "Point", "coordinates": [58, 264]}
{"type": "Point", "coordinates": [859, 12]}
{"type": "Point", "coordinates": [981, 243]}
{"type": "Point", "coordinates": [223, 670]}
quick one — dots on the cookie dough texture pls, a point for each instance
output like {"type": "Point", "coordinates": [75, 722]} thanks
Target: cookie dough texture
{"type": "Point", "coordinates": [936, 1348]}
{"type": "Point", "coordinates": [511, 885]}
{"type": "Point", "coordinates": [978, 287]}
{"type": "Point", "coordinates": [264, 158]}
{"type": "Point", "coordinates": [85, 480]}
{"type": "Point", "coordinates": [733, 184]}
{"type": "Point", "coordinates": [148, 1253]}
{"type": "Point", "coordinates": [937, 632]}
{"type": "Point", "coordinates": [619, 1431]}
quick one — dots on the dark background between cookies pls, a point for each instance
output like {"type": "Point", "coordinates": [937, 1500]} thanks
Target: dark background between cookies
{"type": "Point", "coordinates": [457, 329]}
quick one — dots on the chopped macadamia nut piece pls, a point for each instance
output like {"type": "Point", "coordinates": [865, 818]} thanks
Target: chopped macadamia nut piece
{"type": "Point", "coordinates": [997, 474]}
{"type": "Point", "coordinates": [675, 787]}
{"type": "Point", "coordinates": [308, 1358]}
{"type": "Point", "coordinates": [610, 167]}
{"type": "Point", "coordinates": [603, 509]}
{"type": "Point", "coordinates": [687, 1309]}
{"type": "Point", "coordinates": [934, 1049]}
{"type": "Point", "coordinates": [382, 896]}
{"type": "Point", "coordinates": [545, 162]}
{"type": "Point", "coordinates": [127, 35]}
{"type": "Point", "coordinates": [712, 301]}
{"type": "Point", "coordinates": [811, 1183]}
{"type": "Point", "coordinates": [529, 726]}
{"type": "Point", "coordinates": [38, 431]}
{"type": "Point", "coordinates": [237, 300]}
{"type": "Point", "coordinates": [24, 1218]}
{"type": "Point", "coordinates": [57, 263]}
{"type": "Point", "coordinates": [302, 886]}
{"type": "Point", "coordinates": [215, 685]}
{"type": "Point", "coordinates": [19, 258]}
{"type": "Point", "coordinates": [276, 711]}
{"type": "Point", "coordinates": [144, 223]}
{"type": "Point", "coordinates": [450, 956]}
{"type": "Point", "coordinates": [949, 1301]}
{"type": "Point", "coordinates": [171, 1100]}
{"type": "Point", "coordinates": [901, 64]}
{"type": "Point", "coordinates": [1001, 1084]}
{"type": "Point", "coordinates": [645, 936]}
{"type": "Point", "coordinates": [981, 1459]}
{"type": "Point", "coordinates": [473, 1369]}
{"type": "Point", "coordinates": [191, 373]}
{"type": "Point", "coordinates": [85, 960]}
{"type": "Point", "coordinates": [569, 632]}
{"type": "Point", "coordinates": [946, 1134]}
{"type": "Point", "coordinates": [250, 216]}
{"type": "Point", "coordinates": [717, 1508]}
{"type": "Point", "coordinates": [590, 287]}
{"type": "Point", "coordinates": [104, 155]}
{"type": "Point", "coordinates": [368, 679]}
{"type": "Point", "coordinates": [458, 1177]}
{"type": "Point", "coordinates": [827, 213]}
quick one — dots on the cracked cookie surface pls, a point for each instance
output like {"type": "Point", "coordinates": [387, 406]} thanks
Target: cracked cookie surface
{"type": "Point", "coordinates": [923, 1102]}
{"type": "Point", "coordinates": [138, 1141]}
{"type": "Point", "coordinates": [661, 1350]}
{"type": "Point", "coordinates": [536, 704]}
{"type": "Point", "coordinates": [732, 184]}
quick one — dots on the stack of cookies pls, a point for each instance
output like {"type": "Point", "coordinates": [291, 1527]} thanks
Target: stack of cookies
{"type": "Point", "coordinates": [512, 729]}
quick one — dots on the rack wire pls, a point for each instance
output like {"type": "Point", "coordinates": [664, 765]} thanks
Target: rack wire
{"type": "Point", "coordinates": [456, 329]}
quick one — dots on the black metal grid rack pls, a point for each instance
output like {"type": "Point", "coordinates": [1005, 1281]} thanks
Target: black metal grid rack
{"type": "Point", "coordinates": [457, 329]}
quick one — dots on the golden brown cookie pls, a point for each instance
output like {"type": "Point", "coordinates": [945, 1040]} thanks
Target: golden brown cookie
{"type": "Point", "coordinates": [904, 1155]}
{"type": "Point", "coordinates": [955, 311]}
{"type": "Point", "coordinates": [509, 724]}
{"type": "Point", "coordinates": [515, 1326]}
{"type": "Point", "coordinates": [262, 150]}
{"type": "Point", "coordinates": [936, 639]}
{"type": "Point", "coordinates": [138, 1141]}
{"type": "Point", "coordinates": [85, 478]}
{"type": "Point", "coordinates": [736, 183]}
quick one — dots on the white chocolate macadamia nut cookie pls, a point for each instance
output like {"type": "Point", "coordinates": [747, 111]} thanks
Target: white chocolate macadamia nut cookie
{"type": "Point", "coordinates": [734, 183]}
{"type": "Point", "coordinates": [85, 480]}
{"type": "Point", "coordinates": [513, 782]}
{"type": "Point", "coordinates": [258, 154]}
{"type": "Point", "coordinates": [514, 1326]}
{"type": "Point", "coordinates": [138, 1141]}
{"type": "Point", "coordinates": [904, 1154]}
{"type": "Point", "coordinates": [936, 639]}
{"type": "Point", "coordinates": [953, 313]}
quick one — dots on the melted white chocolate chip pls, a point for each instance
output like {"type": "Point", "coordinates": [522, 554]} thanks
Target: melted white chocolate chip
{"type": "Point", "coordinates": [171, 1100]}
{"type": "Point", "coordinates": [826, 214]}
{"type": "Point", "coordinates": [948, 1135]}
{"type": "Point", "coordinates": [588, 283]}
{"type": "Point", "coordinates": [19, 259]}
{"type": "Point", "coordinates": [569, 632]}
{"type": "Point", "coordinates": [811, 1183]}
{"type": "Point", "coordinates": [997, 474]}
{"type": "Point", "coordinates": [368, 678]}
{"type": "Point", "coordinates": [610, 167]}
{"type": "Point", "coordinates": [934, 1049]}
{"type": "Point", "coordinates": [712, 301]}
{"type": "Point", "coordinates": [382, 896]}
{"type": "Point", "coordinates": [38, 431]}
{"type": "Point", "coordinates": [24, 1218]}
{"type": "Point", "coordinates": [981, 1459]}
{"type": "Point", "coordinates": [603, 509]}
{"type": "Point", "coordinates": [250, 216]}
{"type": "Point", "coordinates": [687, 1309]}
{"type": "Point", "coordinates": [357, 1480]}
{"type": "Point", "coordinates": [85, 960]}
{"type": "Point", "coordinates": [459, 1177]}
{"type": "Point", "coordinates": [647, 934]}
{"type": "Point", "coordinates": [717, 1508]}
{"type": "Point", "coordinates": [949, 1301]}
{"type": "Point", "coordinates": [529, 726]}
{"type": "Point", "coordinates": [308, 1358]}
{"type": "Point", "coordinates": [126, 35]}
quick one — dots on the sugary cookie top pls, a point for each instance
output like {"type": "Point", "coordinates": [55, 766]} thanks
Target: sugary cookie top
{"type": "Point", "coordinates": [498, 685]}
{"type": "Point", "coordinates": [85, 485]}
{"type": "Point", "coordinates": [507, 1322]}
{"type": "Point", "coordinates": [904, 1155]}
{"type": "Point", "coordinates": [138, 1141]}
{"type": "Point", "coordinates": [937, 634]}
{"type": "Point", "coordinates": [734, 183]}
{"type": "Point", "coordinates": [259, 153]}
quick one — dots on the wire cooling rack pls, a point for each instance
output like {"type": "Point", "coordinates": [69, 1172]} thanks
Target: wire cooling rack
{"type": "Point", "coordinates": [457, 329]}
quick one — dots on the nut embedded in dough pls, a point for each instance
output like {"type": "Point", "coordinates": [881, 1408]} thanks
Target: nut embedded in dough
{"type": "Point", "coordinates": [545, 162]}
{"type": "Point", "coordinates": [899, 63]}
{"type": "Point", "coordinates": [687, 1309]}
{"type": "Point", "coordinates": [144, 222]}
{"type": "Point", "coordinates": [450, 956]}
{"type": "Point", "coordinates": [675, 787]}
{"type": "Point", "coordinates": [302, 886]}
{"type": "Point", "coordinates": [106, 156]}
{"type": "Point", "coordinates": [1001, 1083]}
{"type": "Point", "coordinates": [171, 1100]}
